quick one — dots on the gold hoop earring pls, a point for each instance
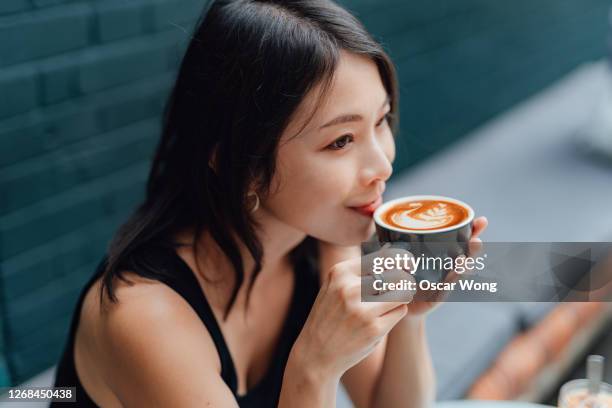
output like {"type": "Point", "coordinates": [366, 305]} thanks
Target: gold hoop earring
{"type": "Point", "coordinates": [256, 206]}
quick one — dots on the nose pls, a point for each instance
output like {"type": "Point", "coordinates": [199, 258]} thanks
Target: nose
{"type": "Point", "coordinates": [376, 167]}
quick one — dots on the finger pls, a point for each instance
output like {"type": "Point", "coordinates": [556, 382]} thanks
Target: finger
{"type": "Point", "coordinates": [366, 264]}
{"type": "Point", "coordinates": [378, 309]}
{"type": "Point", "coordinates": [331, 255]}
{"type": "Point", "coordinates": [479, 225]}
{"type": "Point", "coordinates": [432, 296]}
{"type": "Point", "coordinates": [381, 302]}
{"type": "Point", "coordinates": [375, 285]}
{"type": "Point", "coordinates": [474, 246]}
{"type": "Point", "coordinates": [454, 276]}
{"type": "Point", "coordinates": [397, 258]}
{"type": "Point", "coordinates": [397, 296]}
{"type": "Point", "coordinates": [389, 251]}
{"type": "Point", "coordinates": [460, 270]}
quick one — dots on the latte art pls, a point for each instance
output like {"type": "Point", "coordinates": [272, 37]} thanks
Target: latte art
{"type": "Point", "coordinates": [424, 215]}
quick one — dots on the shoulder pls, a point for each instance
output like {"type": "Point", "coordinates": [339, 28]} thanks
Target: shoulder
{"type": "Point", "coordinates": [147, 308]}
{"type": "Point", "coordinates": [138, 295]}
{"type": "Point", "coordinates": [151, 335]}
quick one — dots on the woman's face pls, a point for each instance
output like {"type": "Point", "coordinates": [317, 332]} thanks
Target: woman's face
{"type": "Point", "coordinates": [336, 165]}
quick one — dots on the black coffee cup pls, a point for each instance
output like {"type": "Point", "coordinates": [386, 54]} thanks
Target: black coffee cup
{"type": "Point", "coordinates": [451, 241]}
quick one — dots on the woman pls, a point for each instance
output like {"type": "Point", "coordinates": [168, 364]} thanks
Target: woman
{"type": "Point", "coordinates": [237, 281]}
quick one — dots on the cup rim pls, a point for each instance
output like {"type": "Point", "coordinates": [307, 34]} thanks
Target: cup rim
{"type": "Point", "coordinates": [583, 383]}
{"type": "Point", "coordinates": [579, 384]}
{"type": "Point", "coordinates": [385, 206]}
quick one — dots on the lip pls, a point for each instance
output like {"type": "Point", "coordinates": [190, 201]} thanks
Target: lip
{"type": "Point", "coordinates": [368, 209]}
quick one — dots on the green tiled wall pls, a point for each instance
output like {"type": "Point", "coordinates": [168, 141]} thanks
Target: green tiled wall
{"type": "Point", "coordinates": [82, 84]}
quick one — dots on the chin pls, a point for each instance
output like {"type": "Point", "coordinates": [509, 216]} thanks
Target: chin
{"type": "Point", "coordinates": [368, 234]}
{"type": "Point", "coordinates": [355, 237]}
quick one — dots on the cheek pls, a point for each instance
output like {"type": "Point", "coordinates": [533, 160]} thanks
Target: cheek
{"type": "Point", "coordinates": [310, 185]}
{"type": "Point", "coordinates": [389, 146]}
{"type": "Point", "coordinates": [311, 195]}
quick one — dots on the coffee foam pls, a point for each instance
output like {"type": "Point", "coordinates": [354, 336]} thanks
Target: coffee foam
{"type": "Point", "coordinates": [423, 215]}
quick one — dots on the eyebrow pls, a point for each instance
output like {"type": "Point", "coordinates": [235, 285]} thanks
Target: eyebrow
{"type": "Point", "coordinates": [350, 117]}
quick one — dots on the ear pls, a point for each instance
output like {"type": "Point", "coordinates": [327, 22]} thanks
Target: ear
{"type": "Point", "coordinates": [255, 185]}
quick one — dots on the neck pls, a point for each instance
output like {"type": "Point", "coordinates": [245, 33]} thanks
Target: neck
{"type": "Point", "coordinates": [277, 240]}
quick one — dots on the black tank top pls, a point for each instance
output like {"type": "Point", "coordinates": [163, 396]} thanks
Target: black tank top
{"type": "Point", "coordinates": [267, 391]}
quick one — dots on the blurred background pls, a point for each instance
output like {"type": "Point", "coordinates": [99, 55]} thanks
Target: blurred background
{"type": "Point", "coordinates": [499, 100]}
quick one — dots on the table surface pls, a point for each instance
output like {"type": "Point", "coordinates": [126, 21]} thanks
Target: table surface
{"type": "Point", "coordinates": [487, 404]}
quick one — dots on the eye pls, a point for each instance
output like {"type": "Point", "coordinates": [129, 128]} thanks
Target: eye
{"type": "Point", "coordinates": [384, 119]}
{"type": "Point", "coordinates": [341, 142]}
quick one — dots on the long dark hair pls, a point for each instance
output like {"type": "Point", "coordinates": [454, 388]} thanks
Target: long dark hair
{"type": "Point", "coordinates": [248, 66]}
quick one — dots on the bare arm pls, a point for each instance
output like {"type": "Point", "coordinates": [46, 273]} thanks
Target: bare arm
{"type": "Point", "coordinates": [159, 354]}
{"type": "Point", "coordinates": [305, 386]}
{"type": "Point", "coordinates": [340, 332]}
{"type": "Point", "coordinates": [399, 370]}
{"type": "Point", "coordinates": [407, 375]}
{"type": "Point", "coordinates": [399, 373]}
